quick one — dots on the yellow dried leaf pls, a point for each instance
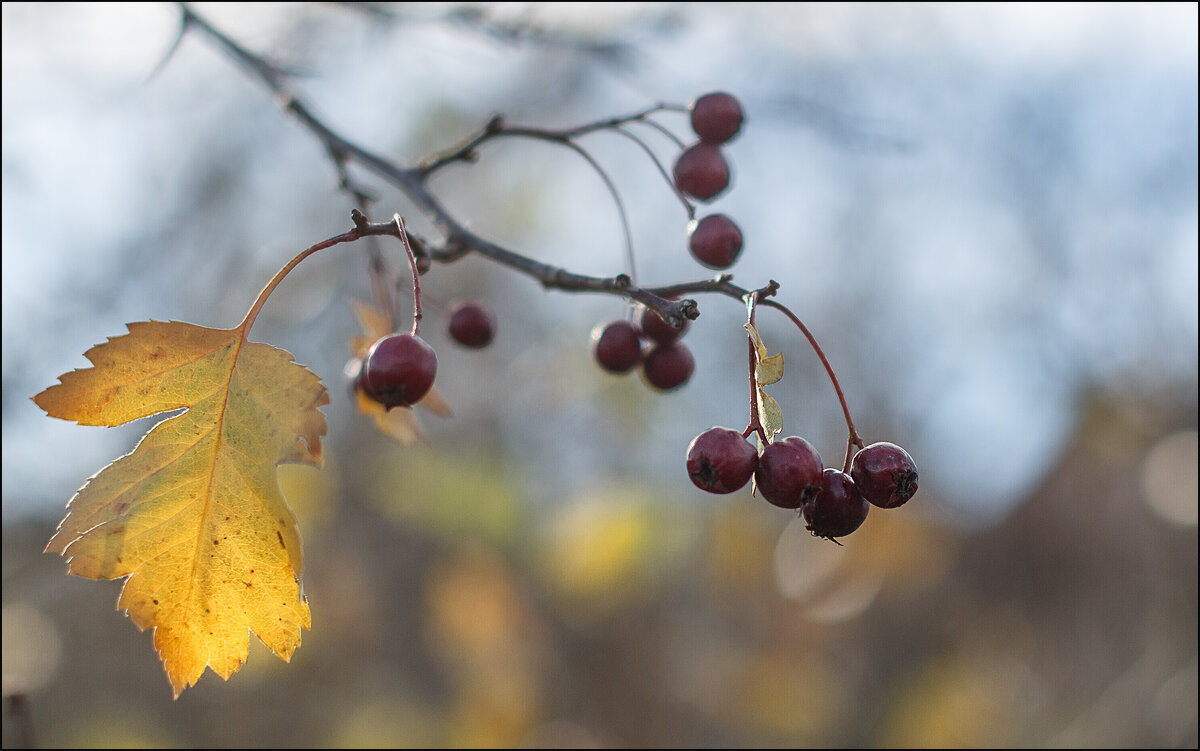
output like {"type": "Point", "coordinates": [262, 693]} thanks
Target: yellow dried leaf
{"type": "Point", "coordinates": [193, 518]}
{"type": "Point", "coordinates": [401, 423]}
{"type": "Point", "coordinates": [770, 415]}
{"type": "Point", "coordinates": [768, 369]}
{"type": "Point", "coordinates": [374, 325]}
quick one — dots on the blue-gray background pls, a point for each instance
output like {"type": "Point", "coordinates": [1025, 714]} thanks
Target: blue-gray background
{"type": "Point", "coordinates": [987, 214]}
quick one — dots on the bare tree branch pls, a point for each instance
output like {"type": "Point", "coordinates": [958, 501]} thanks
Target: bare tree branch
{"type": "Point", "coordinates": [666, 301]}
{"type": "Point", "coordinates": [458, 241]}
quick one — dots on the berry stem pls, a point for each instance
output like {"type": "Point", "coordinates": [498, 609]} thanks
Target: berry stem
{"type": "Point", "coordinates": [854, 439]}
{"type": "Point", "coordinates": [496, 128]}
{"type": "Point", "coordinates": [377, 269]}
{"type": "Point", "coordinates": [630, 264]}
{"type": "Point", "coordinates": [416, 276]}
{"type": "Point", "coordinates": [679, 144]}
{"type": "Point", "coordinates": [687, 205]}
{"type": "Point", "coordinates": [755, 425]}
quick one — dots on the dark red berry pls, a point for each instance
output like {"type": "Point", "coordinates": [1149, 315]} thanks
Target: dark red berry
{"type": "Point", "coordinates": [702, 172]}
{"type": "Point", "coordinates": [658, 330]}
{"type": "Point", "coordinates": [716, 117]}
{"type": "Point", "coordinates": [885, 474]}
{"type": "Point", "coordinates": [668, 366]}
{"type": "Point", "coordinates": [838, 508]}
{"type": "Point", "coordinates": [472, 324]}
{"type": "Point", "coordinates": [616, 346]}
{"type": "Point", "coordinates": [399, 370]}
{"type": "Point", "coordinates": [715, 241]}
{"type": "Point", "coordinates": [788, 472]}
{"type": "Point", "coordinates": [720, 460]}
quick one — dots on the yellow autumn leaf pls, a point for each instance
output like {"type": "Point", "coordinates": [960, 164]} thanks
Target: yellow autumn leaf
{"type": "Point", "coordinates": [193, 518]}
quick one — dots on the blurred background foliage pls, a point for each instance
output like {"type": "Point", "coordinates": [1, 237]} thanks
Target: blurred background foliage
{"type": "Point", "coordinates": [986, 213]}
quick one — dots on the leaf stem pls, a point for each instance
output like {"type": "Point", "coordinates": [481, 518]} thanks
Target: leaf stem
{"type": "Point", "coordinates": [261, 300]}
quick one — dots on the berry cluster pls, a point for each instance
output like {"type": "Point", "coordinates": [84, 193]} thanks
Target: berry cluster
{"type": "Point", "coordinates": [714, 240]}
{"type": "Point", "coordinates": [399, 369]}
{"type": "Point", "coordinates": [789, 474]}
{"type": "Point", "coordinates": [703, 173]}
{"type": "Point", "coordinates": [666, 362]}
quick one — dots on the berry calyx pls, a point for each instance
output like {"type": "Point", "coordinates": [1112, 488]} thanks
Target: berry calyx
{"type": "Point", "coordinates": [715, 241]}
{"type": "Point", "coordinates": [720, 460]}
{"type": "Point", "coordinates": [702, 172]}
{"type": "Point", "coordinates": [716, 117]}
{"type": "Point", "coordinates": [788, 472]}
{"type": "Point", "coordinates": [668, 366]}
{"type": "Point", "coordinates": [398, 370]}
{"type": "Point", "coordinates": [616, 346]}
{"type": "Point", "coordinates": [472, 324]}
{"type": "Point", "coordinates": [885, 474]}
{"type": "Point", "coordinates": [838, 508]}
{"type": "Point", "coordinates": [658, 330]}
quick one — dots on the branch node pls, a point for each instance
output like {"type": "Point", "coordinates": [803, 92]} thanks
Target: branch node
{"type": "Point", "coordinates": [769, 290]}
